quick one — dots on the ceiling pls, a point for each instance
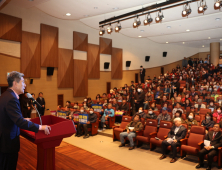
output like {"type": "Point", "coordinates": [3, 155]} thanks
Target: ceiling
{"type": "Point", "coordinates": [203, 29]}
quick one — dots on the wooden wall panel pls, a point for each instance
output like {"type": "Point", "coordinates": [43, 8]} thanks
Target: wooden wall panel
{"type": "Point", "coordinates": [65, 69]}
{"type": "Point", "coordinates": [80, 78]}
{"type": "Point", "coordinates": [93, 59]}
{"type": "Point", "coordinates": [105, 45]}
{"type": "Point", "coordinates": [30, 55]}
{"type": "Point", "coordinates": [10, 28]}
{"type": "Point", "coordinates": [117, 64]}
{"type": "Point", "coordinates": [80, 41]}
{"type": "Point", "coordinates": [49, 46]}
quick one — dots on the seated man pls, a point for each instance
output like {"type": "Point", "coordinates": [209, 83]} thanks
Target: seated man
{"type": "Point", "coordinates": [131, 128]}
{"type": "Point", "coordinates": [163, 116]}
{"type": "Point", "coordinates": [140, 112]}
{"type": "Point", "coordinates": [158, 95]}
{"type": "Point", "coordinates": [176, 133]}
{"type": "Point", "coordinates": [124, 106]}
{"type": "Point", "coordinates": [163, 101]}
{"type": "Point", "coordinates": [79, 132]}
{"type": "Point", "coordinates": [109, 112]}
{"type": "Point", "coordinates": [92, 117]}
{"type": "Point", "coordinates": [215, 138]}
{"type": "Point", "coordinates": [200, 105]}
{"type": "Point", "coordinates": [178, 107]}
{"type": "Point", "coordinates": [150, 115]}
{"type": "Point", "coordinates": [115, 104]}
{"type": "Point", "coordinates": [178, 100]}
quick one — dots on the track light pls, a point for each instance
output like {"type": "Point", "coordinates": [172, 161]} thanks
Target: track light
{"type": "Point", "coordinates": [202, 7]}
{"type": "Point", "coordinates": [187, 10]}
{"type": "Point", "coordinates": [159, 17]}
{"type": "Point", "coordinates": [218, 4]}
{"type": "Point", "coordinates": [148, 19]}
{"type": "Point", "coordinates": [136, 22]}
{"type": "Point", "coordinates": [101, 31]}
{"type": "Point", "coordinates": [109, 29]}
{"type": "Point", "coordinates": [118, 27]}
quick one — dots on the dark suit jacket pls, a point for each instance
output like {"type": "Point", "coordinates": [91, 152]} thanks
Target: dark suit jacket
{"type": "Point", "coordinates": [217, 141]}
{"type": "Point", "coordinates": [139, 97]}
{"type": "Point", "coordinates": [179, 135]}
{"type": "Point", "coordinates": [143, 72]}
{"type": "Point", "coordinates": [11, 121]}
{"type": "Point", "coordinates": [41, 102]}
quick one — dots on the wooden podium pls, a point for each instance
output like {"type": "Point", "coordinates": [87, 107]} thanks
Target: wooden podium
{"type": "Point", "coordinates": [60, 128]}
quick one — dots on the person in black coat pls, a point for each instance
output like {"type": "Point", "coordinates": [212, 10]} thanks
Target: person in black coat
{"type": "Point", "coordinates": [215, 138]}
{"type": "Point", "coordinates": [142, 74]}
{"type": "Point", "coordinates": [176, 133]}
{"type": "Point", "coordinates": [175, 87]}
{"type": "Point", "coordinates": [26, 106]}
{"type": "Point", "coordinates": [41, 101]}
{"type": "Point", "coordinates": [11, 120]}
{"type": "Point", "coordinates": [139, 99]}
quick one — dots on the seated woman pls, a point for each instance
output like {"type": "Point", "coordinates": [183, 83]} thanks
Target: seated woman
{"type": "Point", "coordinates": [153, 106]}
{"type": "Point", "coordinates": [187, 104]}
{"type": "Point", "coordinates": [190, 120]}
{"type": "Point", "coordinates": [165, 105]}
{"type": "Point", "coordinates": [208, 122]}
{"type": "Point", "coordinates": [211, 106]}
{"type": "Point", "coordinates": [218, 114]}
{"type": "Point", "coordinates": [105, 102]}
{"type": "Point", "coordinates": [178, 114]}
{"type": "Point", "coordinates": [148, 98]}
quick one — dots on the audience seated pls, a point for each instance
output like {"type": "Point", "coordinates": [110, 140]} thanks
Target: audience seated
{"type": "Point", "coordinates": [208, 122]}
{"type": "Point", "coordinates": [163, 116]}
{"type": "Point", "coordinates": [190, 120]}
{"type": "Point", "coordinates": [131, 129]}
{"type": "Point", "coordinates": [79, 132]}
{"type": "Point", "coordinates": [178, 107]}
{"type": "Point", "coordinates": [218, 114]}
{"type": "Point", "coordinates": [150, 115]}
{"type": "Point", "coordinates": [109, 112]}
{"type": "Point", "coordinates": [178, 114]}
{"type": "Point", "coordinates": [200, 105]}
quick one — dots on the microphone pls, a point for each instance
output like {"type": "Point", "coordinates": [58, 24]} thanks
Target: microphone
{"type": "Point", "coordinates": [34, 101]}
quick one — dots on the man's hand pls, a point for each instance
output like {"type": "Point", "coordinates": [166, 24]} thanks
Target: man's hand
{"type": "Point", "coordinates": [28, 119]}
{"type": "Point", "coordinates": [207, 147]}
{"type": "Point", "coordinates": [175, 141]}
{"type": "Point", "coordinates": [43, 105]}
{"type": "Point", "coordinates": [46, 128]}
{"type": "Point", "coordinates": [167, 138]}
{"type": "Point", "coordinates": [128, 131]}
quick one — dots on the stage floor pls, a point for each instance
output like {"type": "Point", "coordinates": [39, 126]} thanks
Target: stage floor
{"type": "Point", "coordinates": [68, 157]}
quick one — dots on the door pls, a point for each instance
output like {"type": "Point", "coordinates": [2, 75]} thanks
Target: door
{"type": "Point", "coordinates": [108, 87]}
{"type": "Point", "coordinates": [162, 70]}
{"type": "Point", "coordinates": [60, 99]}
{"type": "Point", "coordinates": [136, 78]}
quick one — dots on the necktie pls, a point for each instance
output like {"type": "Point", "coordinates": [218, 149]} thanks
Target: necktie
{"type": "Point", "coordinates": [214, 136]}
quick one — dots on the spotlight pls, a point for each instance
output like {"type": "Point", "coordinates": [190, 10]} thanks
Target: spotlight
{"type": "Point", "coordinates": [217, 4]}
{"type": "Point", "coordinates": [102, 31]}
{"type": "Point", "coordinates": [118, 27]}
{"type": "Point", "coordinates": [109, 29]}
{"type": "Point", "coordinates": [159, 17]}
{"type": "Point", "coordinates": [136, 22]}
{"type": "Point", "coordinates": [148, 19]}
{"type": "Point", "coordinates": [187, 10]}
{"type": "Point", "coordinates": [202, 7]}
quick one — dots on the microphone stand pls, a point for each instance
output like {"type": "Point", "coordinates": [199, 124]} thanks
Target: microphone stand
{"type": "Point", "coordinates": [38, 113]}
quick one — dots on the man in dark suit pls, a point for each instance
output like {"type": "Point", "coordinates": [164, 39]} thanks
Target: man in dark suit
{"type": "Point", "coordinates": [176, 133]}
{"type": "Point", "coordinates": [26, 106]}
{"type": "Point", "coordinates": [175, 87]}
{"type": "Point", "coordinates": [41, 101]}
{"type": "Point", "coordinates": [142, 74]}
{"type": "Point", "coordinates": [139, 99]}
{"type": "Point", "coordinates": [11, 120]}
{"type": "Point", "coordinates": [215, 138]}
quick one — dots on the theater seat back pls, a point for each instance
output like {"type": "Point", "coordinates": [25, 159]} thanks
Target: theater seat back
{"type": "Point", "coordinates": [164, 129]}
{"type": "Point", "coordinates": [197, 134]}
{"type": "Point", "coordinates": [151, 126]}
{"type": "Point", "coordinates": [125, 121]}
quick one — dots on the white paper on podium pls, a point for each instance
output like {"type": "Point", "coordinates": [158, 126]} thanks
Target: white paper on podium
{"type": "Point", "coordinates": [131, 128]}
{"type": "Point", "coordinates": [206, 143]}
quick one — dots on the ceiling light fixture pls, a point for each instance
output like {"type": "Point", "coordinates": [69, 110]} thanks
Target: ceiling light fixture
{"type": "Point", "coordinates": [148, 19]}
{"type": "Point", "coordinates": [186, 10]}
{"type": "Point", "coordinates": [202, 45]}
{"type": "Point", "coordinates": [202, 6]}
{"type": "Point", "coordinates": [101, 32]}
{"type": "Point", "coordinates": [220, 39]}
{"type": "Point", "coordinates": [109, 29]}
{"type": "Point", "coordinates": [137, 22]}
{"type": "Point", "coordinates": [68, 14]}
{"type": "Point", "coordinates": [160, 16]}
{"type": "Point", "coordinates": [208, 37]}
{"type": "Point", "coordinates": [167, 42]}
{"type": "Point", "coordinates": [139, 36]}
{"type": "Point", "coordinates": [187, 30]}
{"type": "Point", "coordinates": [218, 4]}
{"type": "Point", "coordinates": [183, 42]}
{"type": "Point", "coordinates": [118, 27]}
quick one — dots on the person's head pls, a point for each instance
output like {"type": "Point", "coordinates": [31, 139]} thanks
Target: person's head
{"type": "Point", "coordinates": [68, 103]}
{"type": "Point", "coordinates": [105, 101]}
{"type": "Point", "coordinates": [33, 95]}
{"type": "Point", "coordinates": [104, 95]}
{"type": "Point", "coordinates": [178, 114]}
{"type": "Point", "coordinates": [16, 82]}
{"type": "Point", "coordinates": [141, 66]}
{"type": "Point", "coordinates": [187, 95]}
{"type": "Point", "coordinates": [219, 110]}
{"type": "Point", "coordinates": [212, 103]}
{"type": "Point", "coordinates": [59, 107]}
{"type": "Point", "coordinates": [109, 106]}
{"type": "Point", "coordinates": [150, 111]}
{"type": "Point", "coordinates": [208, 116]}
{"type": "Point", "coordinates": [165, 105]}
{"type": "Point", "coordinates": [216, 127]}
{"type": "Point", "coordinates": [81, 109]}
{"type": "Point", "coordinates": [67, 108]}
{"type": "Point", "coordinates": [153, 104]}
{"type": "Point", "coordinates": [177, 121]}
{"type": "Point", "coordinates": [178, 105]}
{"type": "Point", "coordinates": [164, 98]}
{"type": "Point", "coordinates": [136, 118]}
{"type": "Point", "coordinates": [178, 99]}
{"type": "Point", "coordinates": [175, 80]}
{"type": "Point", "coordinates": [187, 101]}
{"type": "Point", "coordinates": [164, 110]}
{"type": "Point", "coordinates": [139, 90]}
{"type": "Point", "coordinates": [158, 88]}
{"type": "Point", "coordinates": [199, 101]}
{"type": "Point", "coordinates": [196, 97]}
{"type": "Point", "coordinates": [91, 110]}
{"type": "Point", "coordinates": [124, 101]}
{"type": "Point", "coordinates": [190, 116]}
{"type": "Point", "coordinates": [140, 110]}
{"type": "Point", "coordinates": [114, 101]}
{"type": "Point", "coordinates": [40, 94]}
{"type": "Point", "coordinates": [70, 117]}
{"type": "Point", "coordinates": [97, 96]}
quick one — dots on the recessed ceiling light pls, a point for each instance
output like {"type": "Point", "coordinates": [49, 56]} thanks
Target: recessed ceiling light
{"type": "Point", "coordinates": [217, 19]}
{"type": "Point", "coordinates": [202, 45]}
{"type": "Point", "coordinates": [187, 30]}
{"type": "Point", "coordinates": [68, 14]}
{"type": "Point", "coordinates": [167, 42]}
{"type": "Point", "coordinates": [183, 42]}
{"type": "Point", "coordinates": [220, 39]}
{"type": "Point", "coordinates": [95, 7]}
{"type": "Point", "coordinates": [115, 8]}
{"type": "Point", "coordinates": [139, 36]}
{"type": "Point", "coordinates": [141, 30]}
{"type": "Point", "coordinates": [208, 37]}
{"type": "Point", "coordinates": [169, 27]}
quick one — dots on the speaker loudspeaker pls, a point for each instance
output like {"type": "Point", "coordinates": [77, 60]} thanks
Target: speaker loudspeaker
{"type": "Point", "coordinates": [106, 65]}
{"type": "Point", "coordinates": [147, 58]}
{"type": "Point", "coordinates": [128, 63]}
{"type": "Point", "coordinates": [164, 54]}
{"type": "Point", "coordinates": [50, 71]}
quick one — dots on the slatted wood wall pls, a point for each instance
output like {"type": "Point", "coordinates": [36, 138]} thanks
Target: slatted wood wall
{"type": "Point", "coordinates": [116, 66]}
